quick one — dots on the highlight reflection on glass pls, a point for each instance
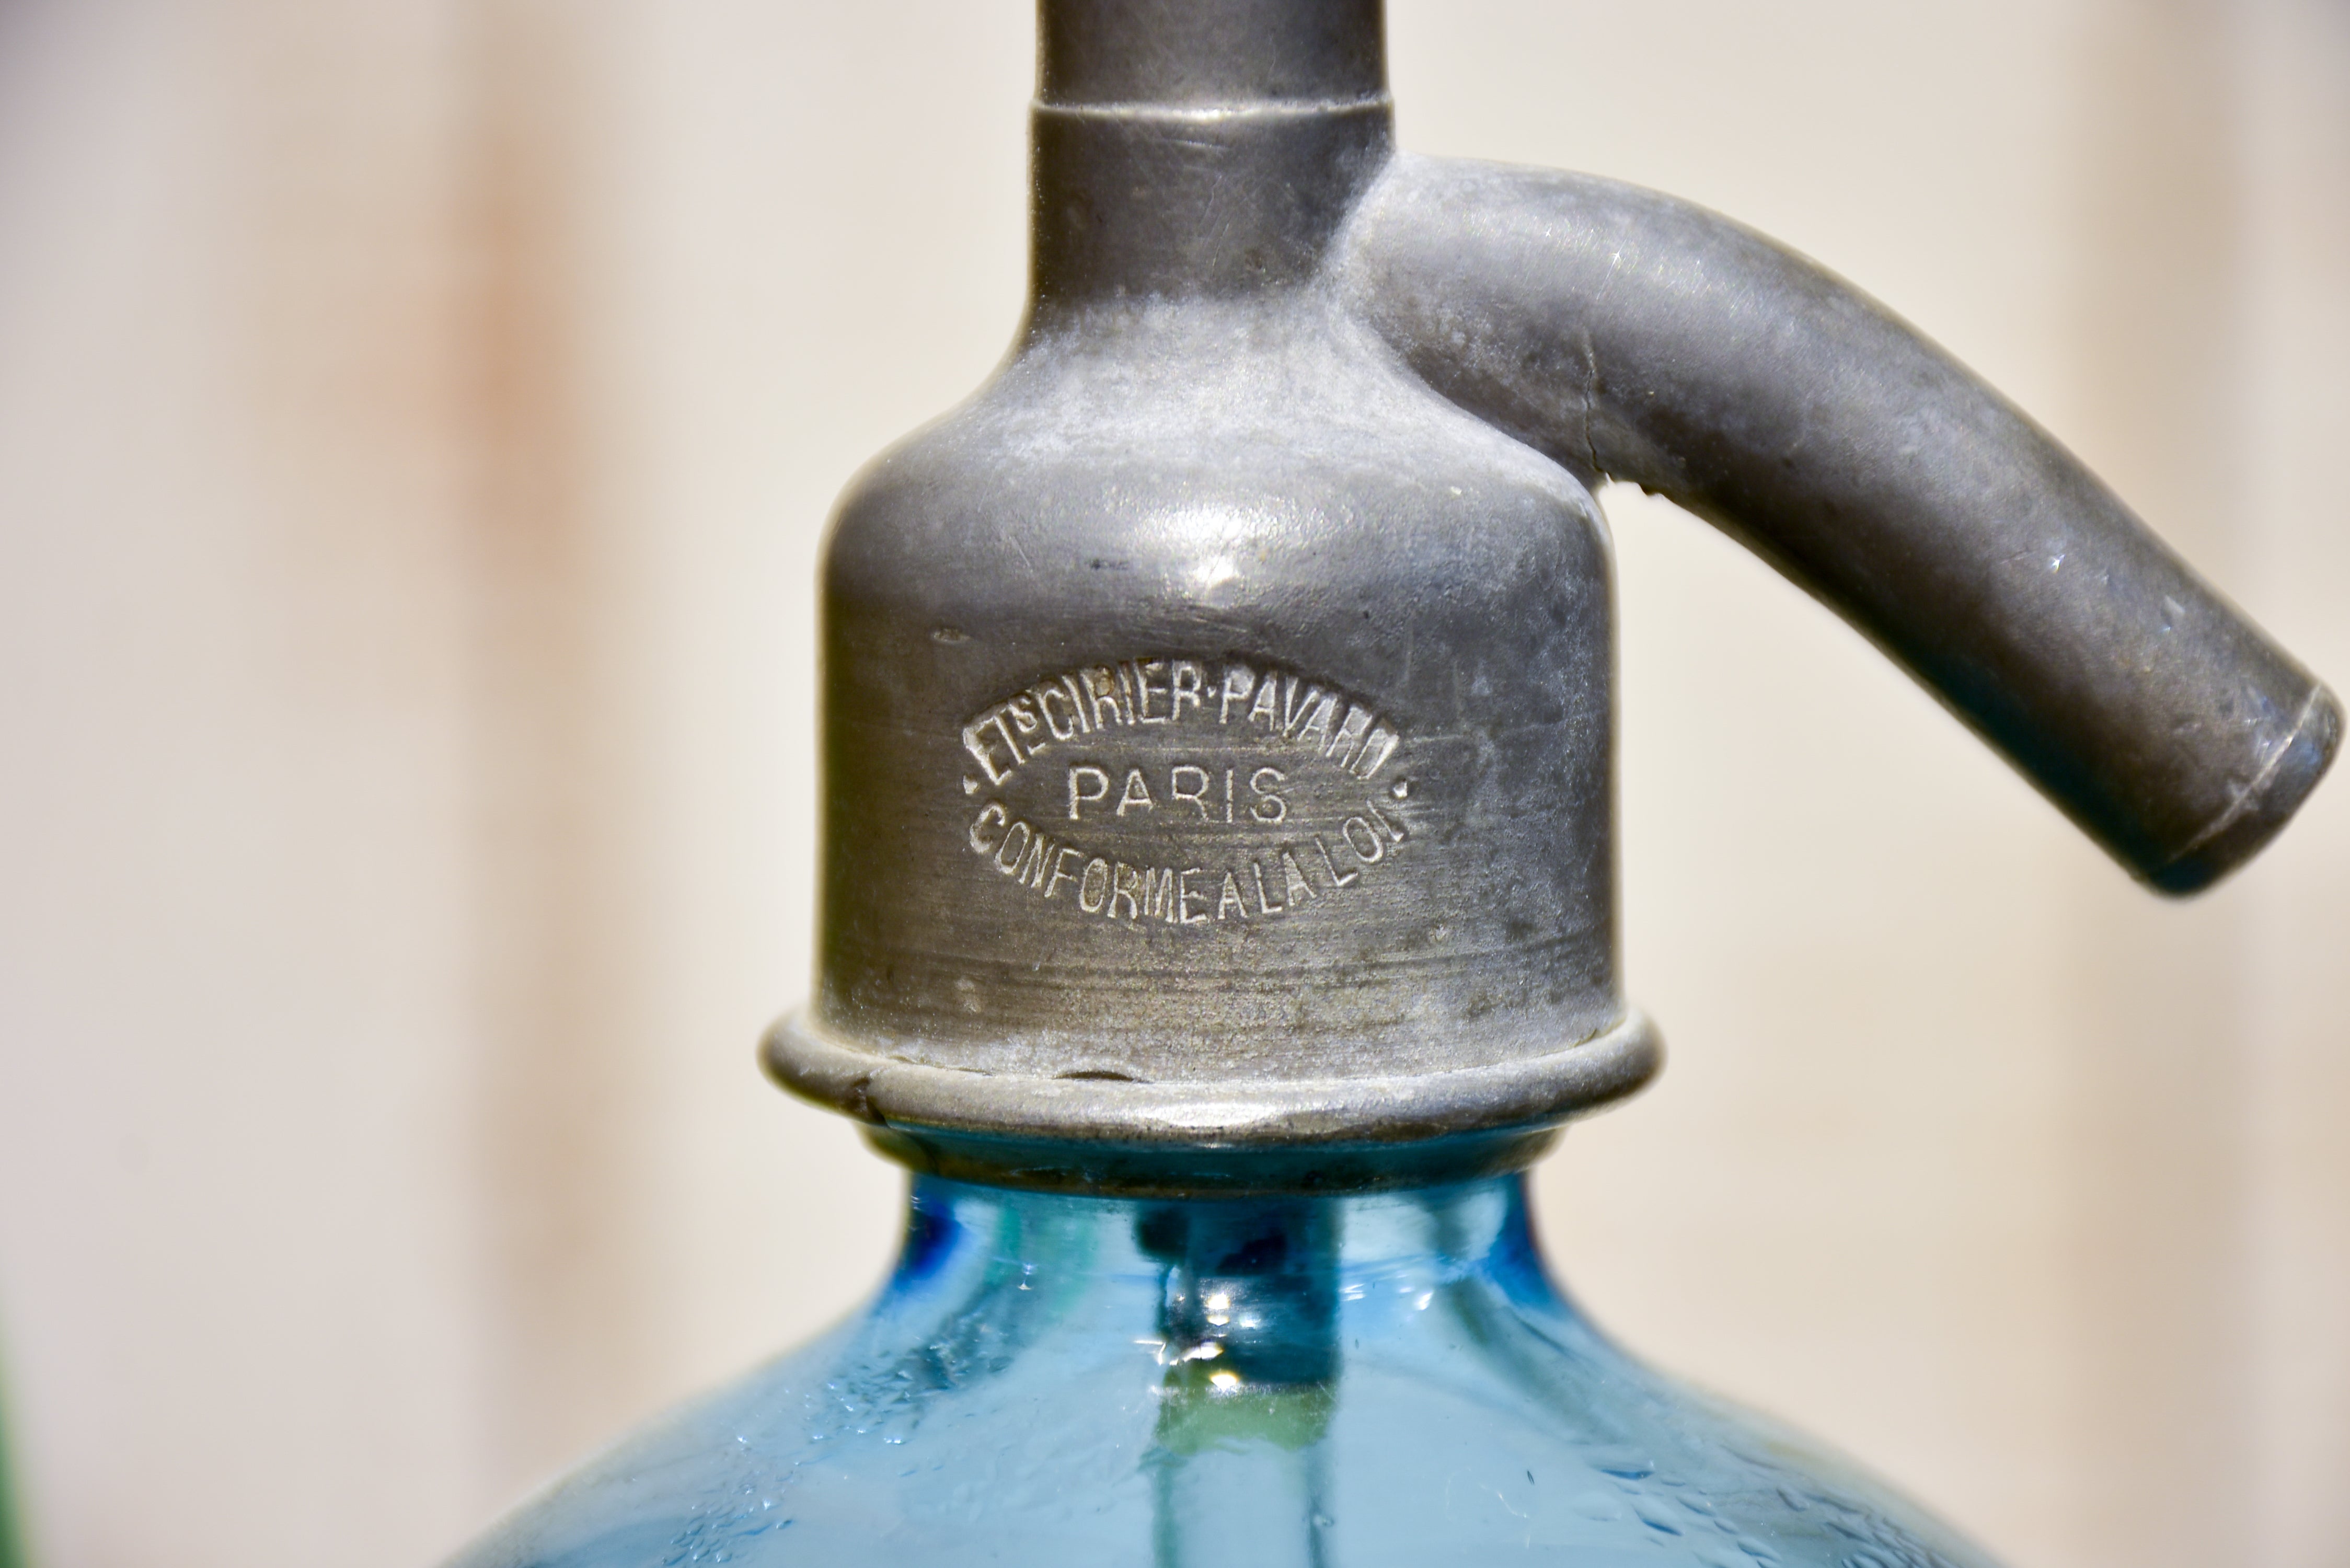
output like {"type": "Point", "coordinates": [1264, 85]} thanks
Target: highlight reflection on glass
{"type": "Point", "coordinates": [1347, 1382]}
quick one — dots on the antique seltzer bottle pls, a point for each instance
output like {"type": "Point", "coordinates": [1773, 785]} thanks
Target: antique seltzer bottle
{"type": "Point", "coordinates": [1218, 890]}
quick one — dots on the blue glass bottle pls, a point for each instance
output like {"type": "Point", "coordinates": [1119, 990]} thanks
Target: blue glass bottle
{"type": "Point", "coordinates": [1341, 1382]}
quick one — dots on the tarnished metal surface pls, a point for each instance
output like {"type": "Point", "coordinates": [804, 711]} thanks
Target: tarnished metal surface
{"type": "Point", "coordinates": [1219, 707]}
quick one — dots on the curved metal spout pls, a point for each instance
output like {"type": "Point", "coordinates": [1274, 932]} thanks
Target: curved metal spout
{"type": "Point", "coordinates": [1628, 335]}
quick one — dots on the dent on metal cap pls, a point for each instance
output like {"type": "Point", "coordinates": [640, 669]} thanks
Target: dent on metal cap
{"type": "Point", "coordinates": [1219, 707]}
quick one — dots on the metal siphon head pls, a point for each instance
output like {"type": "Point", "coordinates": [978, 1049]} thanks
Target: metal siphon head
{"type": "Point", "coordinates": [1219, 707]}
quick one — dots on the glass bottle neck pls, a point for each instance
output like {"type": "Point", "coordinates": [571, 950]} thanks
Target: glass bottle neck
{"type": "Point", "coordinates": [1237, 1317]}
{"type": "Point", "coordinates": [1236, 1291]}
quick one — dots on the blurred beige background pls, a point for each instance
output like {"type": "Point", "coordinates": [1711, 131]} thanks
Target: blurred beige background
{"type": "Point", "coordinates": [416, 421]}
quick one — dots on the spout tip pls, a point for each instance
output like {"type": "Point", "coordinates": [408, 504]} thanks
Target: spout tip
{"type": "Point", "coordinates": [2260, 813]}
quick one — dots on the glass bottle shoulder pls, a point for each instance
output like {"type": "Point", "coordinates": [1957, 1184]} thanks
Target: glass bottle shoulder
{"type": "Point", "coordinates": [1345, 1383]}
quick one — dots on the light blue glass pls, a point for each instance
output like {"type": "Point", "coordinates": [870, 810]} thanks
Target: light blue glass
{"type": "Point", "coordinates": [1340, 1382]}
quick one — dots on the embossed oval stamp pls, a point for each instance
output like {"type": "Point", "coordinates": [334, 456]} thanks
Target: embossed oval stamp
{"type": "Point", "coordinates": [1185, 792]}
